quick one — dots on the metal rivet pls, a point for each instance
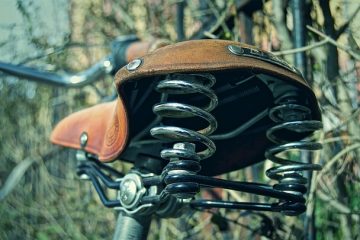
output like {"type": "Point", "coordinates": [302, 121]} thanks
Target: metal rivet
{"type": "Point", "coordinates": [134, 64]}
{"type": "Point", "coordinates": [83, 139]}
{"type": "Point", "coordinates": [237, 50]}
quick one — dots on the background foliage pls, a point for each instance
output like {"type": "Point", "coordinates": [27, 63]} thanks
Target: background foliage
{"type": "Point", "coordinates": [40, 197]}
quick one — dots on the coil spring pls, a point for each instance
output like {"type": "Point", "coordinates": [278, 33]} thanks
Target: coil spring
{"type": "Point", "coordinates": [183, 158]}
{"type": "Point", "coordinates": [294, 118]}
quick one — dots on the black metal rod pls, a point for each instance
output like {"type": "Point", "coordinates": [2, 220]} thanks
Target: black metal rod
{"type": "Point", "coordinates": [106, 167]}
{"type": "Point", "coordinates": [254, 188]}
{"type": "Point", "coordinates": [299, 34]}
{"type": "Point", "coordinates": [202, 203]}
{"type": "Point", "coordinates": [288, 208]}
{"type": "Point", "coordinates": [149, 181]}
{"type": "Point", "coordinates": [107, 203]}
{"type": "Point", "coordinates": [180, 6]}
{"type": "Point", "coordinates": [89, 168]}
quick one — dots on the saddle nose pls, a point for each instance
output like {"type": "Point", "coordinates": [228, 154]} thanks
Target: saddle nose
{"type": "Point", "coordinates": [101, 130]}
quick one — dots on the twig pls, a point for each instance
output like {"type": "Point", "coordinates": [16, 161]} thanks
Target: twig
{"type": "Point", "coordinates": [346, 121]}
{"type": "Point", "coordinates": [333, 42]}
{"type": "Point", "coordinates": [18, 172]}
{"type": "Point", "coordinates": [302, 49]}
{"type": "Point", "coordinates": [210, 35]}
{"type": "Point", "coordinates": [234, 195]}
{"type": "Point", "coordinates": [120, 13]}
{"type": "Point", "coordinates": [200, 226]}
{"type": "Point", "coordinates": [346, 25]}
{"type": "Point", "coordinates": [330, 163]}
{"type": "Point", "coordinates": [176, 232]}
{"type": "Point", "coordinates": [55, 50]}
{"type": "Point", "coordinates": [340, 139]}
{"type": "Point", "coordinates": [220, 19]}
{"type": "Point", "coordinates": [15, 177]}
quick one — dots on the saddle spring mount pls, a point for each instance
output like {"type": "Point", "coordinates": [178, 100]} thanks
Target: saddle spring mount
{"type": "Point", "coordinates": [183, 157]}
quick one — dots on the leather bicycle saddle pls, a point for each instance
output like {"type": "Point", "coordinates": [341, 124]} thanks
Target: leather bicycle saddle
{"type": "Point", "coordinates": [251, 87]}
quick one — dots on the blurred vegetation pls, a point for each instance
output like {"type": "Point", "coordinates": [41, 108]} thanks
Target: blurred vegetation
{"type": "Point", "coordinates": [40, 196]}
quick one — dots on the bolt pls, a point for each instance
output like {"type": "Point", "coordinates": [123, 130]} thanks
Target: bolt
{"type": "Point", "coordinates": [134, 64]}
{"type": "Point", "coordinates": [128, 191]}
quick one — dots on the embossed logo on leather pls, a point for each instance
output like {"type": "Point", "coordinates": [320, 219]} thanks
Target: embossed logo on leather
{"type": "Point", "coordinates": [113, 131]}
{"type": "Point", "coordinates": [262, 55]}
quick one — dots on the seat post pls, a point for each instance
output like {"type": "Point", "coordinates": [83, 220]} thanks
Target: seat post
{"type": "Point", "coordinates": [131, 227]}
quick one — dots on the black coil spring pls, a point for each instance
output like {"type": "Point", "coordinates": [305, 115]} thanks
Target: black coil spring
{"type": "Point", "coordinates": [294, 119]}
{"type": "Point", "coordinates": [183, 157]}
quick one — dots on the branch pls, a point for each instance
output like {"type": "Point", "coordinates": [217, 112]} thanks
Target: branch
{"type": "Point", "coordinates": [346, 121]}
{"type": "Point", "coordinates": [353, 44]}
{"type": "Point", "coordinates": [220, 19]}
{"type": "Point", "coordinates": [19, 171]}
{"type": "Point", "coordinates": [346, 49]}
{"type": "Point", "coordinates": [122, 16]}
{"type": "Point", "coordinates": [210, 35]}
{"type": "Point", "coordinates": [15, 177]}
{"type": "Point", "coordinates": [54, 50]}
{"type": "Point", "coordinates": [341, 138]}
{"type": "Point", "coordinates": [330, 163]}
{"type": "Point", "coordinates": [346, 25]}
{"type": "Point", "coordinates": [302, 49]}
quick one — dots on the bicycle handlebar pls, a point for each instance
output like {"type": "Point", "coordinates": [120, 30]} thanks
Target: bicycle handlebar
{"type": "Point", "coordinates": [65, 80]}
{"type": "Point", "coordinates": [124, 49]}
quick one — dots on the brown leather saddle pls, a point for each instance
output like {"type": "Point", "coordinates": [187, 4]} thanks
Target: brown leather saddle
{"type": "Point", "coordinates": [248, 82]}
